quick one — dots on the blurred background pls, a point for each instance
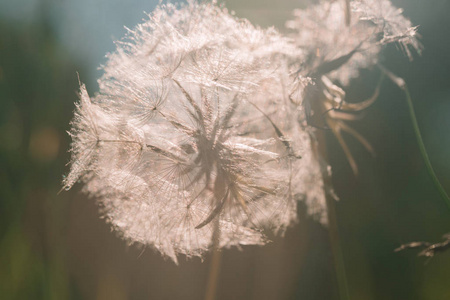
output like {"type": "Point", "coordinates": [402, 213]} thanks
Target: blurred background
{"type": "Point", "coordinates": [56, 246]}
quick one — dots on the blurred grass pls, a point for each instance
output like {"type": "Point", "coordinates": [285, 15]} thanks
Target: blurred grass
{"type": "Point", "coordinates": [37, 92]}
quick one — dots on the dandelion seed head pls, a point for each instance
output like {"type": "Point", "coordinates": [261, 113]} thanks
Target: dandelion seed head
{"type": "Point", "coordinates": [191, 133]}
{"type": "Point", "coordinates": [323, 34]}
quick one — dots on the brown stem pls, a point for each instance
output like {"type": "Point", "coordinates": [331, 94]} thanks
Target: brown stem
{"type": "Point", "coordinates": [214, 268]}
{"type": "Point", "coordinates": [333, 230]}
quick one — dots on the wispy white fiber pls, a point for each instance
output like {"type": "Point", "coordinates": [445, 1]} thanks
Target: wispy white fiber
{"type": "Point", "coordinates": [198, 129]}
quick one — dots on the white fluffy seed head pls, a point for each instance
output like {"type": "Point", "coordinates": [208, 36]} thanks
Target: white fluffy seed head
{"type": "Point", "coordinates": [197, 131]}
{"type": "Point", "coordinates": [193, 132]}
{"type": "Point", "coordinates": [323, 34]}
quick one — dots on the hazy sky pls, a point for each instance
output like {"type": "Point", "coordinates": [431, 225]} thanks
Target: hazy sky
{"type": "Point", "coordinates": [85, 28]}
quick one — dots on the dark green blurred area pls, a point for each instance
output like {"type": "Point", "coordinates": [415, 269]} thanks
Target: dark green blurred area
{"type": "Point", "coordinates": [55, 246]}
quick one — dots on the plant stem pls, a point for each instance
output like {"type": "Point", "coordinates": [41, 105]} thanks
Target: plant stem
{"type": "Point", "coordinates": [214, 268]}
{"type": "Point", "coordinates": [333, 229]}
{"type": "Point", "coordinates": [320, 146]}
{"type": "Point", "coordinates": [402, 85]}
{"type": "Point", "coordinates": [422, 148]}
{"type": "Point", "coordinates": [347, 13]}
{"type": "Point", "coordinates": [337, 250]}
